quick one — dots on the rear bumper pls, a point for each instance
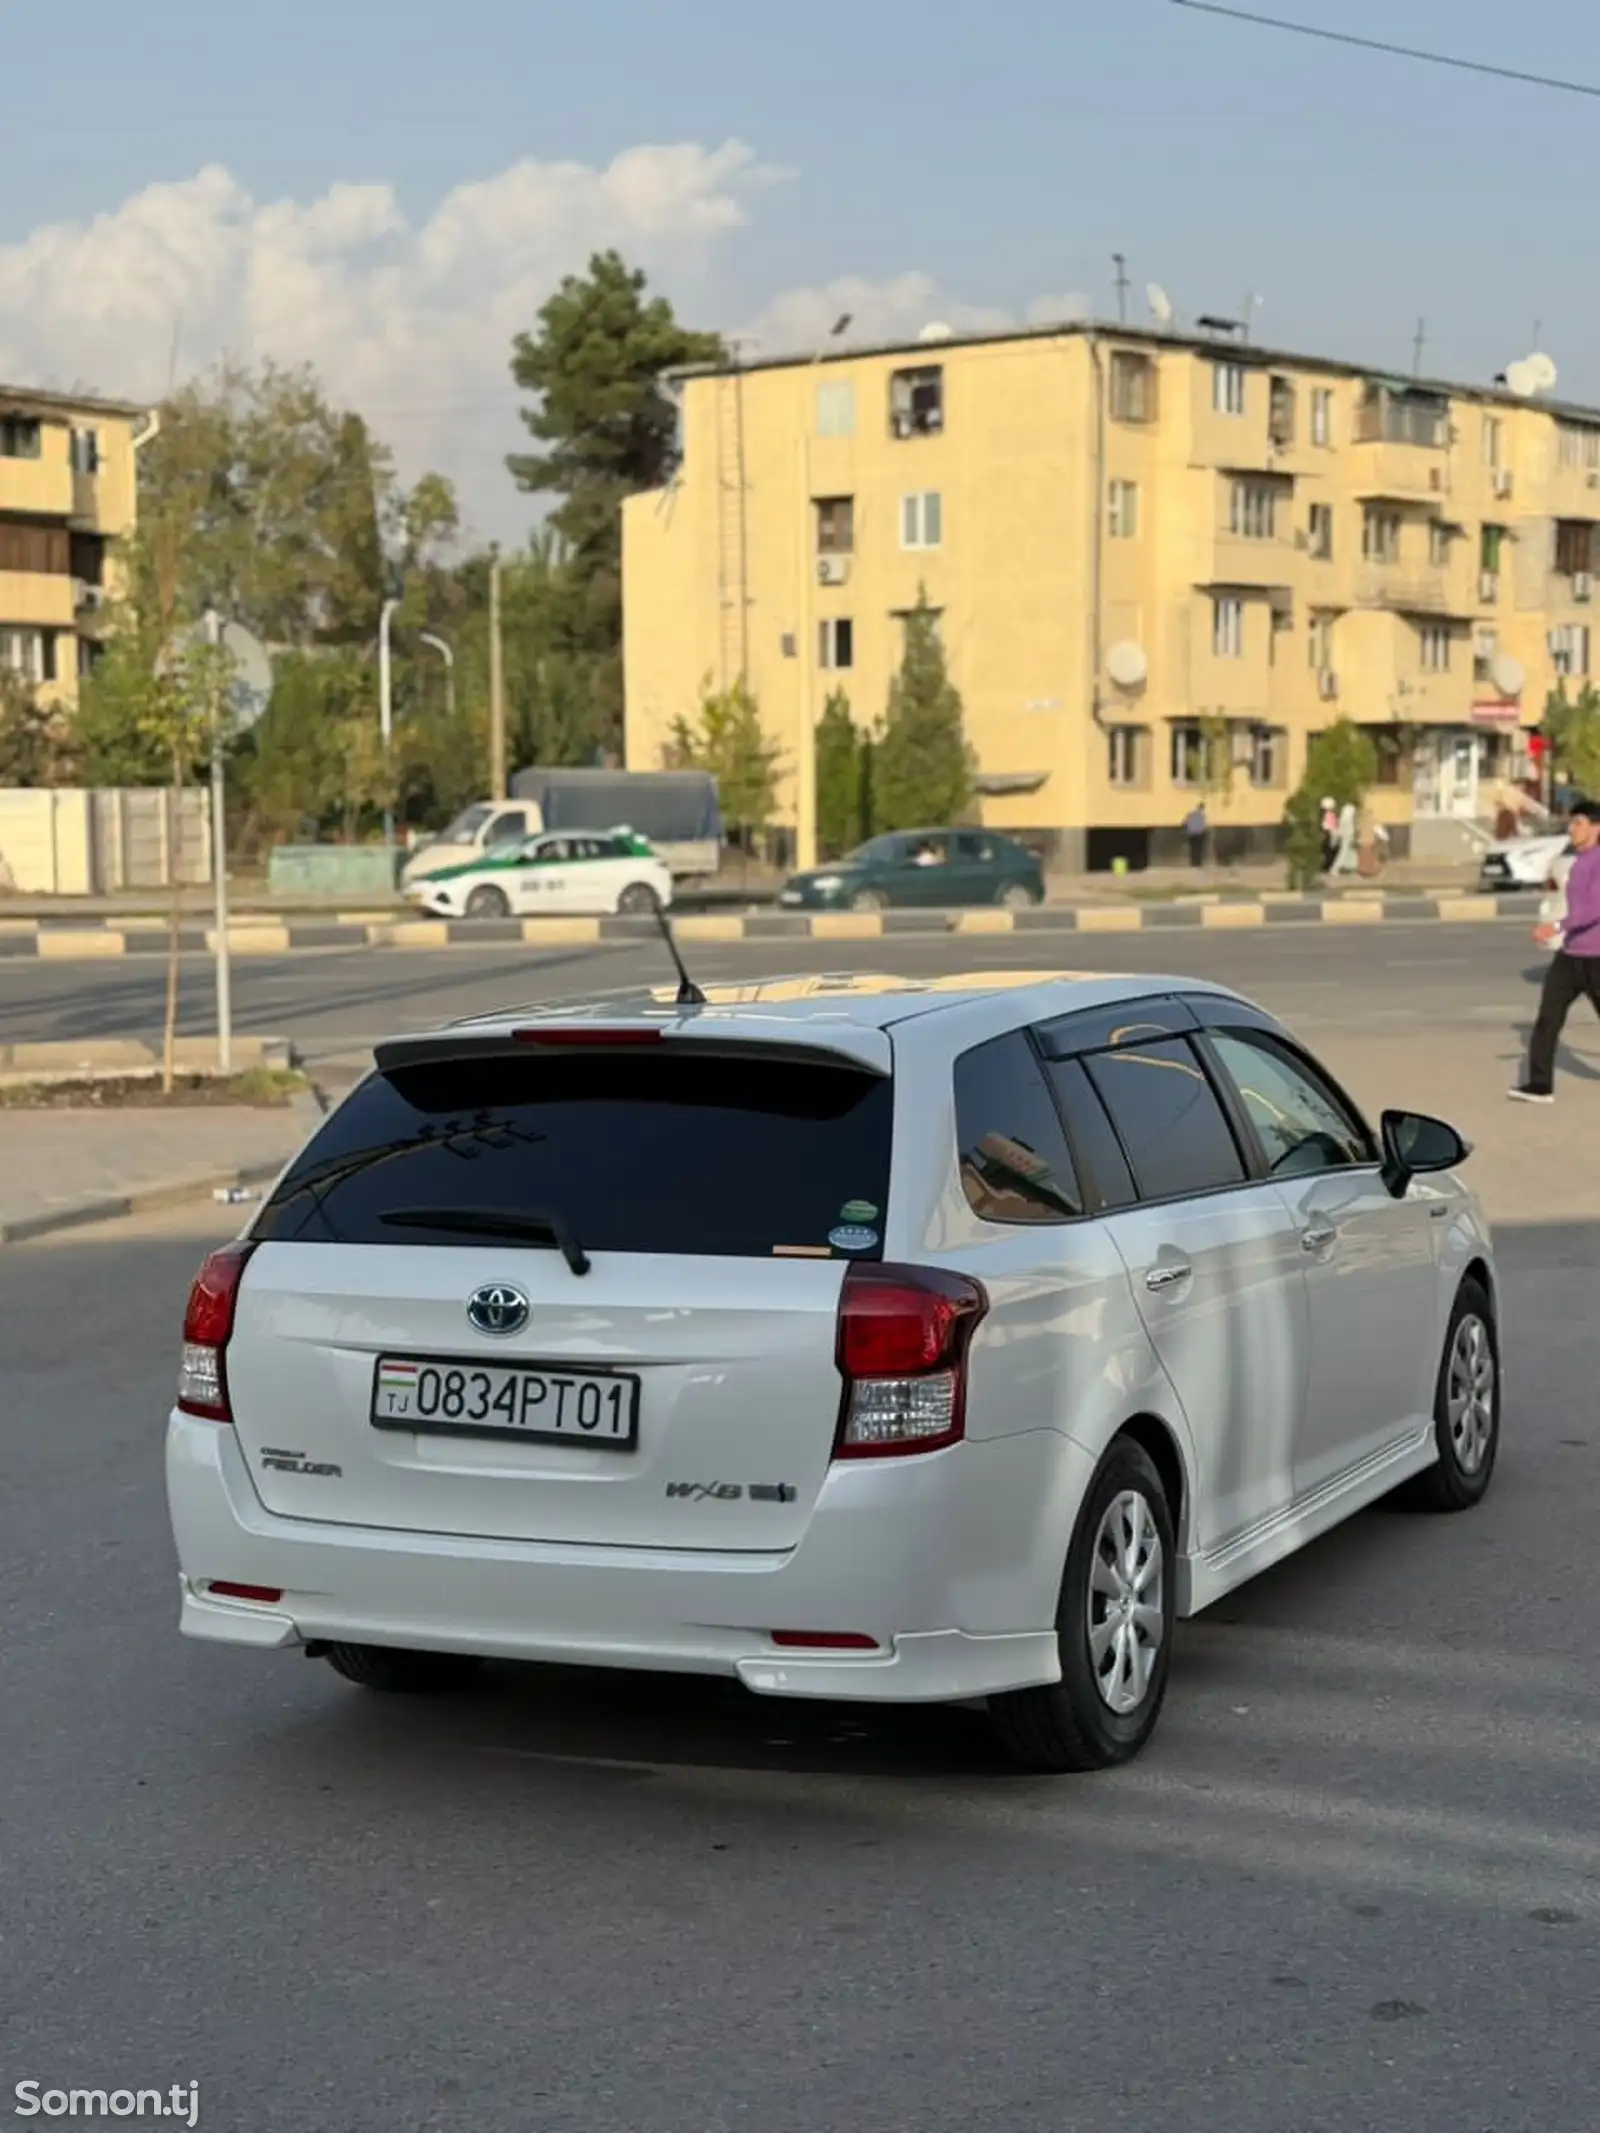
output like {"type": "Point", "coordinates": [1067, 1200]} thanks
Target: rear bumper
{"type": "Point", "coordinates": [952, 1563]}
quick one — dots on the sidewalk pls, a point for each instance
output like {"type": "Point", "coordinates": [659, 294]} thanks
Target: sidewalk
{"type": "Point", "coordinates": [60, 1168]}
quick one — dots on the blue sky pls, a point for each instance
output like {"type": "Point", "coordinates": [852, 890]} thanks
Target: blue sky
{"type": "Point", "coordinates": [1004, 151]}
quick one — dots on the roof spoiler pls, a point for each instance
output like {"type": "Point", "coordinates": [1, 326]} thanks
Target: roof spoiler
{"type": "Point", "coordinates": [864, 1049]}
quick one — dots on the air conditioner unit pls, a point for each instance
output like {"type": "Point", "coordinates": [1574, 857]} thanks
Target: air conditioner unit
{"type": "Point", "coordinates": [1503, 483]}
{"type": "Point", "coordinates": [1327, 684]}
{"type": "Point", "coordinates": [1582, 586]}
{"type": "Point", "coordinates": [833, 570]}
{"type": "Point", "coordinates": [1488, 588]}
{"type": "Point", "coordinates": [88, 598]}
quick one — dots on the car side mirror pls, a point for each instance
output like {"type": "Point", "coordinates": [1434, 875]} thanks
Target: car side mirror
{"type": "Point", "coordinates": [1416, 1146]}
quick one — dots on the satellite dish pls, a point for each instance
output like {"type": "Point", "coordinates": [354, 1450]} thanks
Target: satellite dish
{"type": "Point", "coordinates": [1520, 379]}
{"type": "Point", "coordinates": [1160, 304]}
{"type": "Point", "coordinates": [250, 669]}
{"type": "Point", "coordinates": [1128, 664]}
{"type": "Point", "coordinates": [1543, 372]}
{"type": "Point", "coordinates": [935, 331]}
{"type": "Point", "coordinates": [1508, 674]}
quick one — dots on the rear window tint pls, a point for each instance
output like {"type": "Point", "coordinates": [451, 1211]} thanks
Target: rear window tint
{"type": "Point", "coordinates": [740, 1157]}
{"type": "Point", "coordinates": [1015, 1162]}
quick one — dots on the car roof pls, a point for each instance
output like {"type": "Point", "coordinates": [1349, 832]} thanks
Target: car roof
{"type": "Point", "coordinates": [848, 1014]}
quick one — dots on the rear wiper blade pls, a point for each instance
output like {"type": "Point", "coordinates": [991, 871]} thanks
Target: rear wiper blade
{"type": "Point", "coordinates": [532, 1225]}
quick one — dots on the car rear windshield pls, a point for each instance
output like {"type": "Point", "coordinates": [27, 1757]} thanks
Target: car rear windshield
{"type": "Point", "coordinates": [731, 1155]}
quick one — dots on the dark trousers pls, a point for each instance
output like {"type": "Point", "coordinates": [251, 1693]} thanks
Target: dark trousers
{"type": "Point", "coordinates": [1197, 849]}
{"type": "Point", "coordinates": [1569, 978]}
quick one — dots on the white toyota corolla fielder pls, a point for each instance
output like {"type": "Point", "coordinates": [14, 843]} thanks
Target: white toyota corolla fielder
{"type": "Point", "coordinates": [854, 1337]}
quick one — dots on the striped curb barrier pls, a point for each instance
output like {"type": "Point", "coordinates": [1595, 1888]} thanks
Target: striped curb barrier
{"type": "Point", "coordinates": [108, 940]}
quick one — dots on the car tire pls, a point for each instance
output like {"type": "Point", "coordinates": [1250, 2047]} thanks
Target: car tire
{"type": "Point", "coordinates": [1086, 1720]}
{"type": "Point", "coordinates": [1017, 896]}
{"type": "Point", "coordinates": [393, 1671]}
{"type": "Point", "coordinates": [638, 900]}
{"type": "Point", "coordinates": [1466, 1410]}
{"type": "Point", "coordinates": [486, 901]}
{"type": "Point", "coordinates": [868, 900]}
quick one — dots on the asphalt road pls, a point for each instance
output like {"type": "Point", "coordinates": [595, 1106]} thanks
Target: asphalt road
{"type": "Point", "coordinates": [337, 1003]}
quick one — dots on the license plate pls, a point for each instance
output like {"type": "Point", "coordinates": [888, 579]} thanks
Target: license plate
{"type": "Point", "coordinates": [539, 1402]}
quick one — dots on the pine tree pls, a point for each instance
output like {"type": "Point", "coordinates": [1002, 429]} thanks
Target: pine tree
{"type": "Point", "coordinates": [923, 769]}
{"type": "Point", "coordinates": [841, 779]}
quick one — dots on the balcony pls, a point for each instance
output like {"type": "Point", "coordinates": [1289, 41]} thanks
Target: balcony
{"type": "Point", "coordinates": [1398, 591]}
{"type": "Point", "coordinates": [1261, 565]}
{"type": "Point", "coordinates": [1407, 473]}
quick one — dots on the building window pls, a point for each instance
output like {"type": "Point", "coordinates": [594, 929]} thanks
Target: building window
{"type": "Point", "coordinates": [38, 547]}
{"type": "Point", "coordinates": [1321, 642]}
{"type": "Point", "coordinates": [922, 519]}
{"type": "Point", "coordinates": [836, 408]}
{"type": "Point", "coordinates": [836, 642]}
{"type": "Point", "coordinates": [29, 654]}
{"type": "Point", "coordinates": [1569, 649]}
{"type": "Point", "coordinates": [1380, 535]}
{"type": "Point", "coordinates": [1485, 649]}
{"type": "Point", "coordinates": [1439, 538]}
{"type": "Point", "coordinates": [1133, 387]}
{"type": "Point", "coordinates": [916, 402]}
{"type": "Point", "coordinates": [836, 525]}
{"type": "Point", "coordinates": [1253, 510]}
{"type": "Point", "coordinates": [1227, 388]}
{"type": "Point", "coordinates": [1493, 442]}
{"type": "Point", "coordinates": [1268, 756]}
{"type": "Point", "coordinates": [1321, 535]}
{"type": "Point", "coordinates": [1570, 444]}
{"type": "Point", "coordinates": [1125, 755]}
{"type": "Point", "coordinates": [1491, 549]}
{"type": "Point", "coordinates": [1398, 415]}
{"type": "Point", "coordinates": [1281, 412]}
{"type": "Point", "coordinates": [86, 451]}
{"type": "Point", "coordinates": [1322, 417]}
{"type": "Point", "coordinates": [1227, 627]}
{"type": "Point", "coordinates": [1574, 548]}
{"type": "Point", "coordinates": [20, 437]}
{"type": "Point", "coordinates": [1189, 754]}
{"type": "Point", "coordinates": [1124, 511]}
{"type": "Point", "coordinates": [1435, 638]}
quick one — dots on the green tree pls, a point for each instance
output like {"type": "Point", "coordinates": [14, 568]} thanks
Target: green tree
{"type": "Point", "coordinates": [36, 740]}
{"type": "Point", "coordinates": [923, 769]}
{"type": "Point", "coordinates": [728, 739]}
{"type": "Point", "coordinates": [606, 431]}
{"type": "Point", "coordinates": [1572, 727]}
{"type": "Point", "coordinates": [842, 796]}
{"type": "Point", "coordinates": [1341, 765]}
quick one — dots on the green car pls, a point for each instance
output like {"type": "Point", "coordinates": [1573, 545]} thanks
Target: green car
{"type": "Point", "coordinates": [936, 869]}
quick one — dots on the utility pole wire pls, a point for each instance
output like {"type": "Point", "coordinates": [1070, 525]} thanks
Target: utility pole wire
{"type": "Point", "coordinates": [1391, 51]}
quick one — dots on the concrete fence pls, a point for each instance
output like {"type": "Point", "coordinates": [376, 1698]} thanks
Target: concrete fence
{"type": "Point", "coordinates": [75, 843]}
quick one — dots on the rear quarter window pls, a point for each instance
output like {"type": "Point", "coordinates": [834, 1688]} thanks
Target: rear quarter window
{"type": "Point", "coordinates": [735, 1156]}
{"type": "Point", "coordinates": [1016, 1166]}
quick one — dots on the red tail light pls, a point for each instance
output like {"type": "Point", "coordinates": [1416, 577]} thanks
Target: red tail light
{"type": "Point", "coordinates": [825, 1640]}
{"type": "Point", "coordinates": [258, 1595]}
{"type": "Point", "coordinates": [207, 1330]}
{"type": "Point", "coordinates": [902, 1352]}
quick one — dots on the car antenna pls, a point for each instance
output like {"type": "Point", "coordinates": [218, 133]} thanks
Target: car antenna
{"type": "Point", "coordinates": [689, 993]}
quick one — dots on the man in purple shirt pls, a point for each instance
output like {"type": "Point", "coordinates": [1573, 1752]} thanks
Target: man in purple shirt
{"type": "Point", "coordinates": [1575, 966]}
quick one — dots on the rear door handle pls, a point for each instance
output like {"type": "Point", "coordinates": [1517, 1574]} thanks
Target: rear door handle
{"type": "Point", "coordinates": [1167, 1277]}
{"type": "Point", "coordinates": [1318, 1237]}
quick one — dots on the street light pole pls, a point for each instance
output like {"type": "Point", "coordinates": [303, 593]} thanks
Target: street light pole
{"type": "Point", "coordinates": [449, 659]}
{"type": "Point", "coordinates": [497, 687]}
{"type": "Point", "coordinates": [386, 713]}
{"type": "Point", "coordinates": [219, 850]}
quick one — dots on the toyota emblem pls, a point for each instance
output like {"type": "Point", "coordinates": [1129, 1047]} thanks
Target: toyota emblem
{"type": "Point", "coordinates": [498, 1308]}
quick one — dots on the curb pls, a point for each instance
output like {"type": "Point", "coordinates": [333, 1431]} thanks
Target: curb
{"type": "Point", "coordinates": [104, 942]}
{"type": "Point", "coordinates": [149, 1199]}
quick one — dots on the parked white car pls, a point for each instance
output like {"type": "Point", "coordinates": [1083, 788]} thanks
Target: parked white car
{"type": "Point", "coordinates": [878, 1339]}
{"type": "Point", "coordinates": [561, 873]}
{"type": "Point", "coordinates": [1522, 862]}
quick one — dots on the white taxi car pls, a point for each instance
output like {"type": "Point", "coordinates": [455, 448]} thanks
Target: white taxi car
{"type": "Point", "coordinates": [594, 872]}
{"type": "Point", "coordinates": [895, 1340]}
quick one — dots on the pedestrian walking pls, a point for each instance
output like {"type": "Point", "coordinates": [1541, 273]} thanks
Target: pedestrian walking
{"type": "Point", "coordinates": [1330, 832]}
{"type": "Point", "coordinates": [1196, 828]}
{"type": "Point", "coordinates": [1574, 971]}
{"type": "Point", "coordinates": [1344, 840]}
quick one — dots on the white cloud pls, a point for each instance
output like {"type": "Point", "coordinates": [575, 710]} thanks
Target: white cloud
{"type": "Point", "coordinates": [409, 320]}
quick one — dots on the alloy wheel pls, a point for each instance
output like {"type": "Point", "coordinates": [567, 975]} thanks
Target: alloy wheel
{"type": "Point", "coordinates": [1126, 1603]}
{"type": "Point", "coordinates": [1470, 1393]}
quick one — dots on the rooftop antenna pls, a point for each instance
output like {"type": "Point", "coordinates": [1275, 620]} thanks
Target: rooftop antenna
{"type": "Point", "coordinates": [689, 993]}
{"type": "Point", "coordinates": [1120, 282]}
{"type": "Point", "coordinates": [1418, 346]}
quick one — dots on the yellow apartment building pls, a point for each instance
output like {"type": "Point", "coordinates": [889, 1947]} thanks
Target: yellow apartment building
{"type": "Point", "coordinates": [1161, 563]}
{"type": "Point", "coordinates": [67, 492]}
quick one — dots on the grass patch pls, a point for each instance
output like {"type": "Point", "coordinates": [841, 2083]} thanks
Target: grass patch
{"type": "Point", "coordinates": [258, 1088]}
